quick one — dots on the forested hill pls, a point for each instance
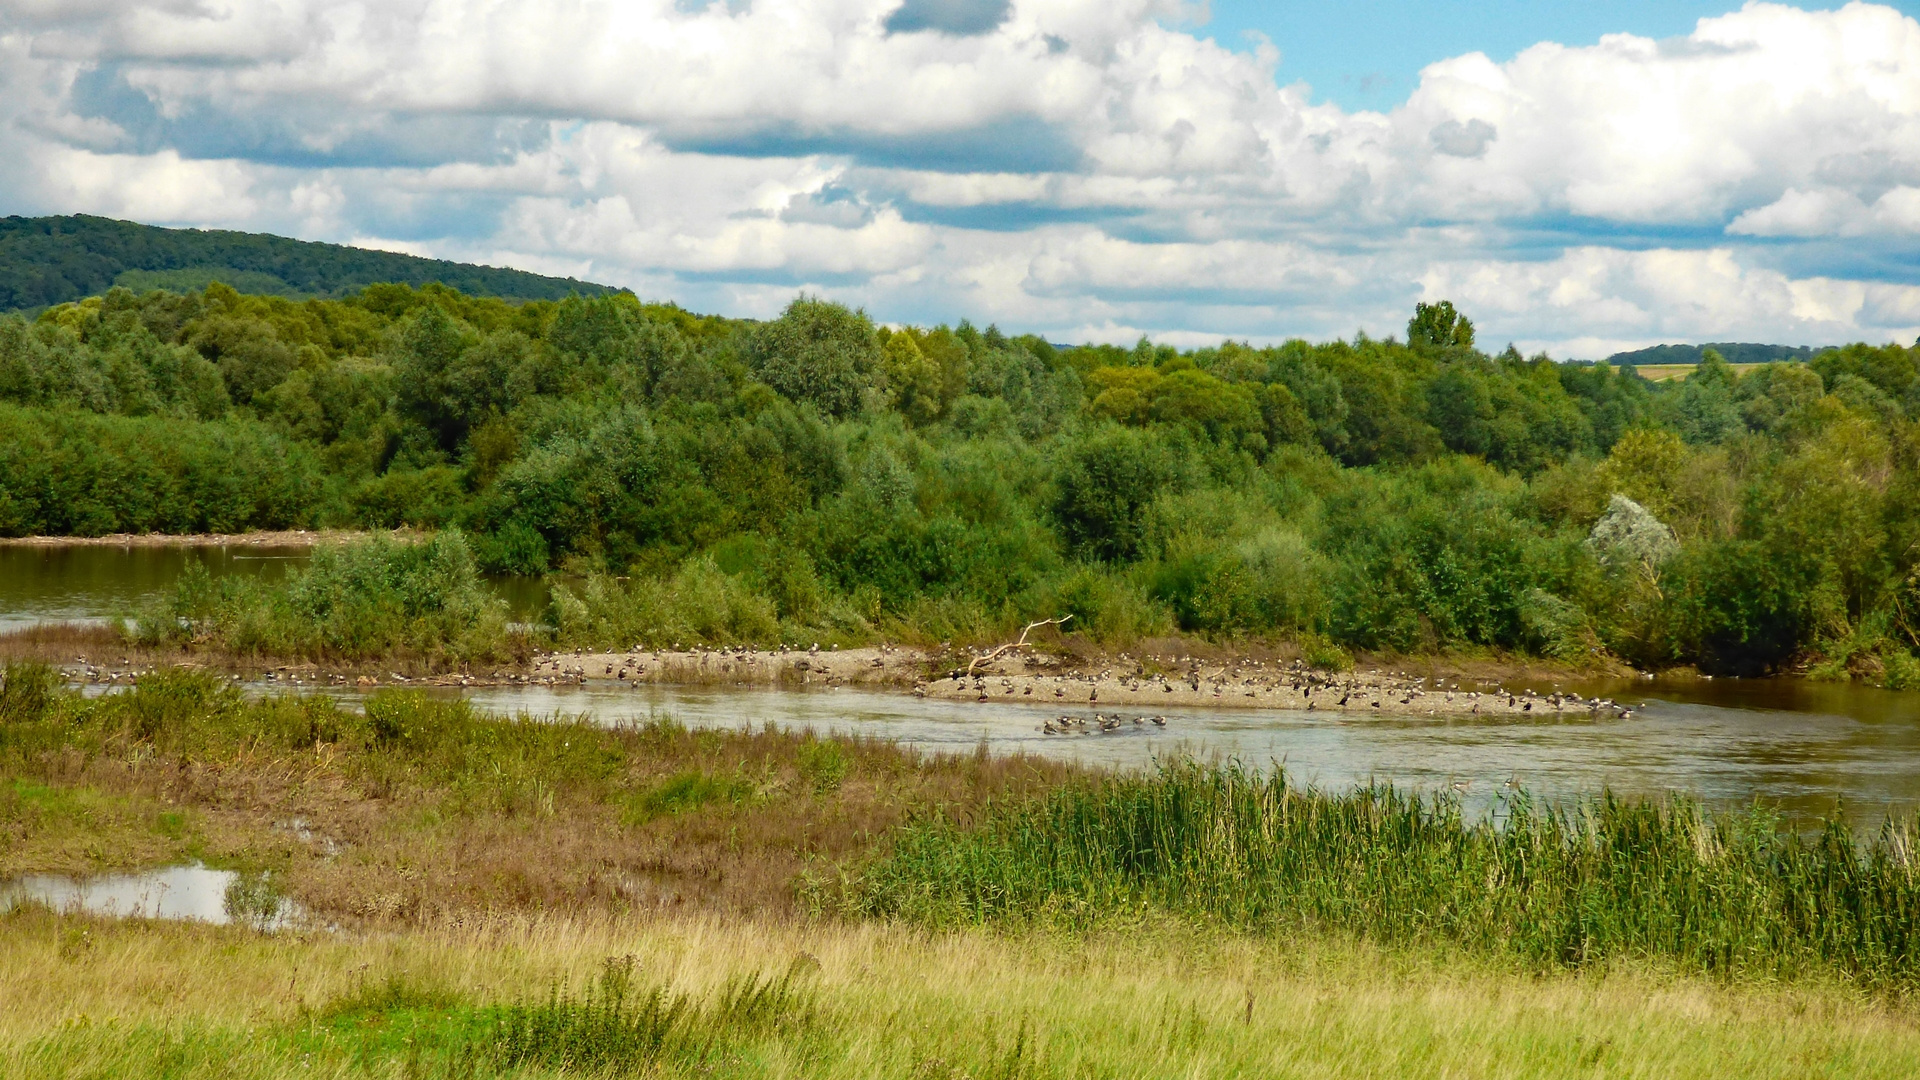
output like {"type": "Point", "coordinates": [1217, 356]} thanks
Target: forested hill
{"type": "Point", "coordinates": [1731, 351]}
{"type": "Point", "coordinates": [52, 260]}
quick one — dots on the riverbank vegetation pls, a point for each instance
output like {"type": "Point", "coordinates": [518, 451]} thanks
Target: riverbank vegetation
{"type": "Point", "coordinates": [540, 896]}
{"type": "Point", "coordinates": [413, 806]}
{"type": "Point", "coordinates": [822, 478]}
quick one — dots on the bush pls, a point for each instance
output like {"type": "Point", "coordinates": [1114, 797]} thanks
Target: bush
{"type": "Point", "coordinates": [698, 604]}
{"type": "Point", "coordinates": [1107, 481]}
{"type": "Point", "coordinates": [1742, 607]}
{"type": "Point", "coordinates": [363, 599]}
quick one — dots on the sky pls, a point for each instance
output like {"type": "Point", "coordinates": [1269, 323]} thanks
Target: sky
{"type": "Point", "coordinates": [1579, 177]}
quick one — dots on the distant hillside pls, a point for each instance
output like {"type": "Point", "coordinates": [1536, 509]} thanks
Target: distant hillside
{"type": "Point", "coordinates": [1732, 352]}
{"type": "Point", "coordinates": [51, 260]}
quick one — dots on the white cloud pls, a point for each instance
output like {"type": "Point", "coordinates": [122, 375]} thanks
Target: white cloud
{"type": "Point", "coordinates": [1805, 213]}
{"type": "Point", "coordinates": [1060, 165]}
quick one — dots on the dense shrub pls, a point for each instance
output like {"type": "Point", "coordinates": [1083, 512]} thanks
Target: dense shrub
{"type": "Point", "coordinates": [364, 599]}
{"type": "Point", "coordinates": [79, 474]}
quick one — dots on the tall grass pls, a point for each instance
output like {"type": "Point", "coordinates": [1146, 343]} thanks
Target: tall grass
{"type": "Point", "coordinates": [1595, 880]}
{"type": "Point", "coordinates": [617, 1026]}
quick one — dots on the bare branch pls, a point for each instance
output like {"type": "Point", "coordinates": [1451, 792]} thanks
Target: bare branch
{"type": "Point", "coordinates": [1001, 650]}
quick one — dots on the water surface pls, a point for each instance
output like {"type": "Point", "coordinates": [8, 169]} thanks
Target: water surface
{"type": "Point", "coordinates": [193, 893]}
{"type": "Point", "coordinates": [1862, 752]}
{"type": "Point", "coordinates": [94, 583]}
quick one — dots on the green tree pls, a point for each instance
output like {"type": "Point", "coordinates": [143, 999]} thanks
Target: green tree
{"type": "Point", "coordinates": [819, 352]}
{"type": "Point", "coordinates": [1439, 326]}
{"type": "Point", "coordinates": [1107, 480]}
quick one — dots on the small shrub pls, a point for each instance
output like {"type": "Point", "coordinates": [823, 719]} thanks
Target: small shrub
{"type": "Point", "coordinates": [684, 791]}
{"type": "Point", "coordinates": [823, 765]}
{"type": "Point", "coordinates": [27, 691]}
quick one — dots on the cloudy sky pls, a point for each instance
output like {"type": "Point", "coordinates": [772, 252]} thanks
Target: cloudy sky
{"type": "Point", "coordinates": [1580, 176]}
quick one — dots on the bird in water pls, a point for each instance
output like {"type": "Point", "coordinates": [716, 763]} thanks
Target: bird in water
{"type": "Point", "coordinates": [1159, 721]}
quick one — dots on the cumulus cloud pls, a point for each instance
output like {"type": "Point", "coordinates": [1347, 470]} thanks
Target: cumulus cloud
{"type": "Point", "coordinates": [1066, 166]}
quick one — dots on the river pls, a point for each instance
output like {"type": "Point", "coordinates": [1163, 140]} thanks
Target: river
{"type": "Point", "coordinates": [1803, 747]}
{"type": "Point", "coordinates": [97, 582]}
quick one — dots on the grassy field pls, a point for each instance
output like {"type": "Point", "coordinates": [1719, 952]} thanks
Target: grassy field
{"type": "Point", "coordinates": [1664, 372]}
{"type": "Point", "coordinates": [536, 896]}
{"type": "Point", "coordinates": [783, 999]}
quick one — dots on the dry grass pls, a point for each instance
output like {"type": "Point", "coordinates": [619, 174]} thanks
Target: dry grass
{"type": "Point", "coordinates": [468, 813]}
{"type": "Point", "coordinates": [65, 642]}
{"type": "Point", "coordinates": [96, 999]}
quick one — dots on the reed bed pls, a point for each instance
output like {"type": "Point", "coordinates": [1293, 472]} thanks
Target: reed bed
{"type": "Point", "coordinates": [1594, 880]}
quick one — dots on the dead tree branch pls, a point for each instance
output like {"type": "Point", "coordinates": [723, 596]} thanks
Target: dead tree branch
{"type": "Point", "coordinates": [1002, 650]}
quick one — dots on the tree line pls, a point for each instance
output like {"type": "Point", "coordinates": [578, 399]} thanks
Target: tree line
{"type": "Point", "coordinates": [818, 476]}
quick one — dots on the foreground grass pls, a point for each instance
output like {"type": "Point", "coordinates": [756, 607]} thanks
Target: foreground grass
{"type": "Point", "coordinates": [87, 999]}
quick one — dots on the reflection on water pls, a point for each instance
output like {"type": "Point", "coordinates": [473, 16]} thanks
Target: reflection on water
{"type": "Point", "coordinates": [94, 583]}
{"type": "Point", "coordinates": [1803, 762]}
{"type": "Point", "coordinates": [176, 892]}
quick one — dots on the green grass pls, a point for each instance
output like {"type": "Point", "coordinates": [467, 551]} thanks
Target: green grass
{"type": "Point", "coordinates": [1594, 881]}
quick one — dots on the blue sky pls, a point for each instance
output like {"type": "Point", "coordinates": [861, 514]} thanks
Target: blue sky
{"type": "Point", "coordinates": [1084, 169]}
{"type": "Point", "coordinates": [1367, 54]}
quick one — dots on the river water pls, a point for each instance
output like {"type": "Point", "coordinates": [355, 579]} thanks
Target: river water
{"type": "Point", "coordinates": [95, 583]}
{"type": "Point", "coordinates": [1804, 747]}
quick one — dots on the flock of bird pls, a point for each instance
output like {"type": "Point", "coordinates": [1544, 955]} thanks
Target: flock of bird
{"type": "Point", "coordinates": [1080, 725]}
{"type": "Point", "coordinates": [1285, 686]}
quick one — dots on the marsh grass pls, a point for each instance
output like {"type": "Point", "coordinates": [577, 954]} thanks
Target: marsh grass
{"type": "Point", "coordinates": [1595, 880]}
{"type": "Point", "coordinates": [413, 804]}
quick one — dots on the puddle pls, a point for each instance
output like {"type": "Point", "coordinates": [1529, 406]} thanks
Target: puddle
{"type": "Point", "coordinates": [194, 893]}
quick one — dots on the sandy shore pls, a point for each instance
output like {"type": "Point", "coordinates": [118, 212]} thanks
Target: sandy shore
{"type": "Point", "coordinates": [1110, 686]}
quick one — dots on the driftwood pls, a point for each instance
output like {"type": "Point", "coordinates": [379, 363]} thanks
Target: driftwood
{"type": "Point", "coordinates": [998, 651]}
